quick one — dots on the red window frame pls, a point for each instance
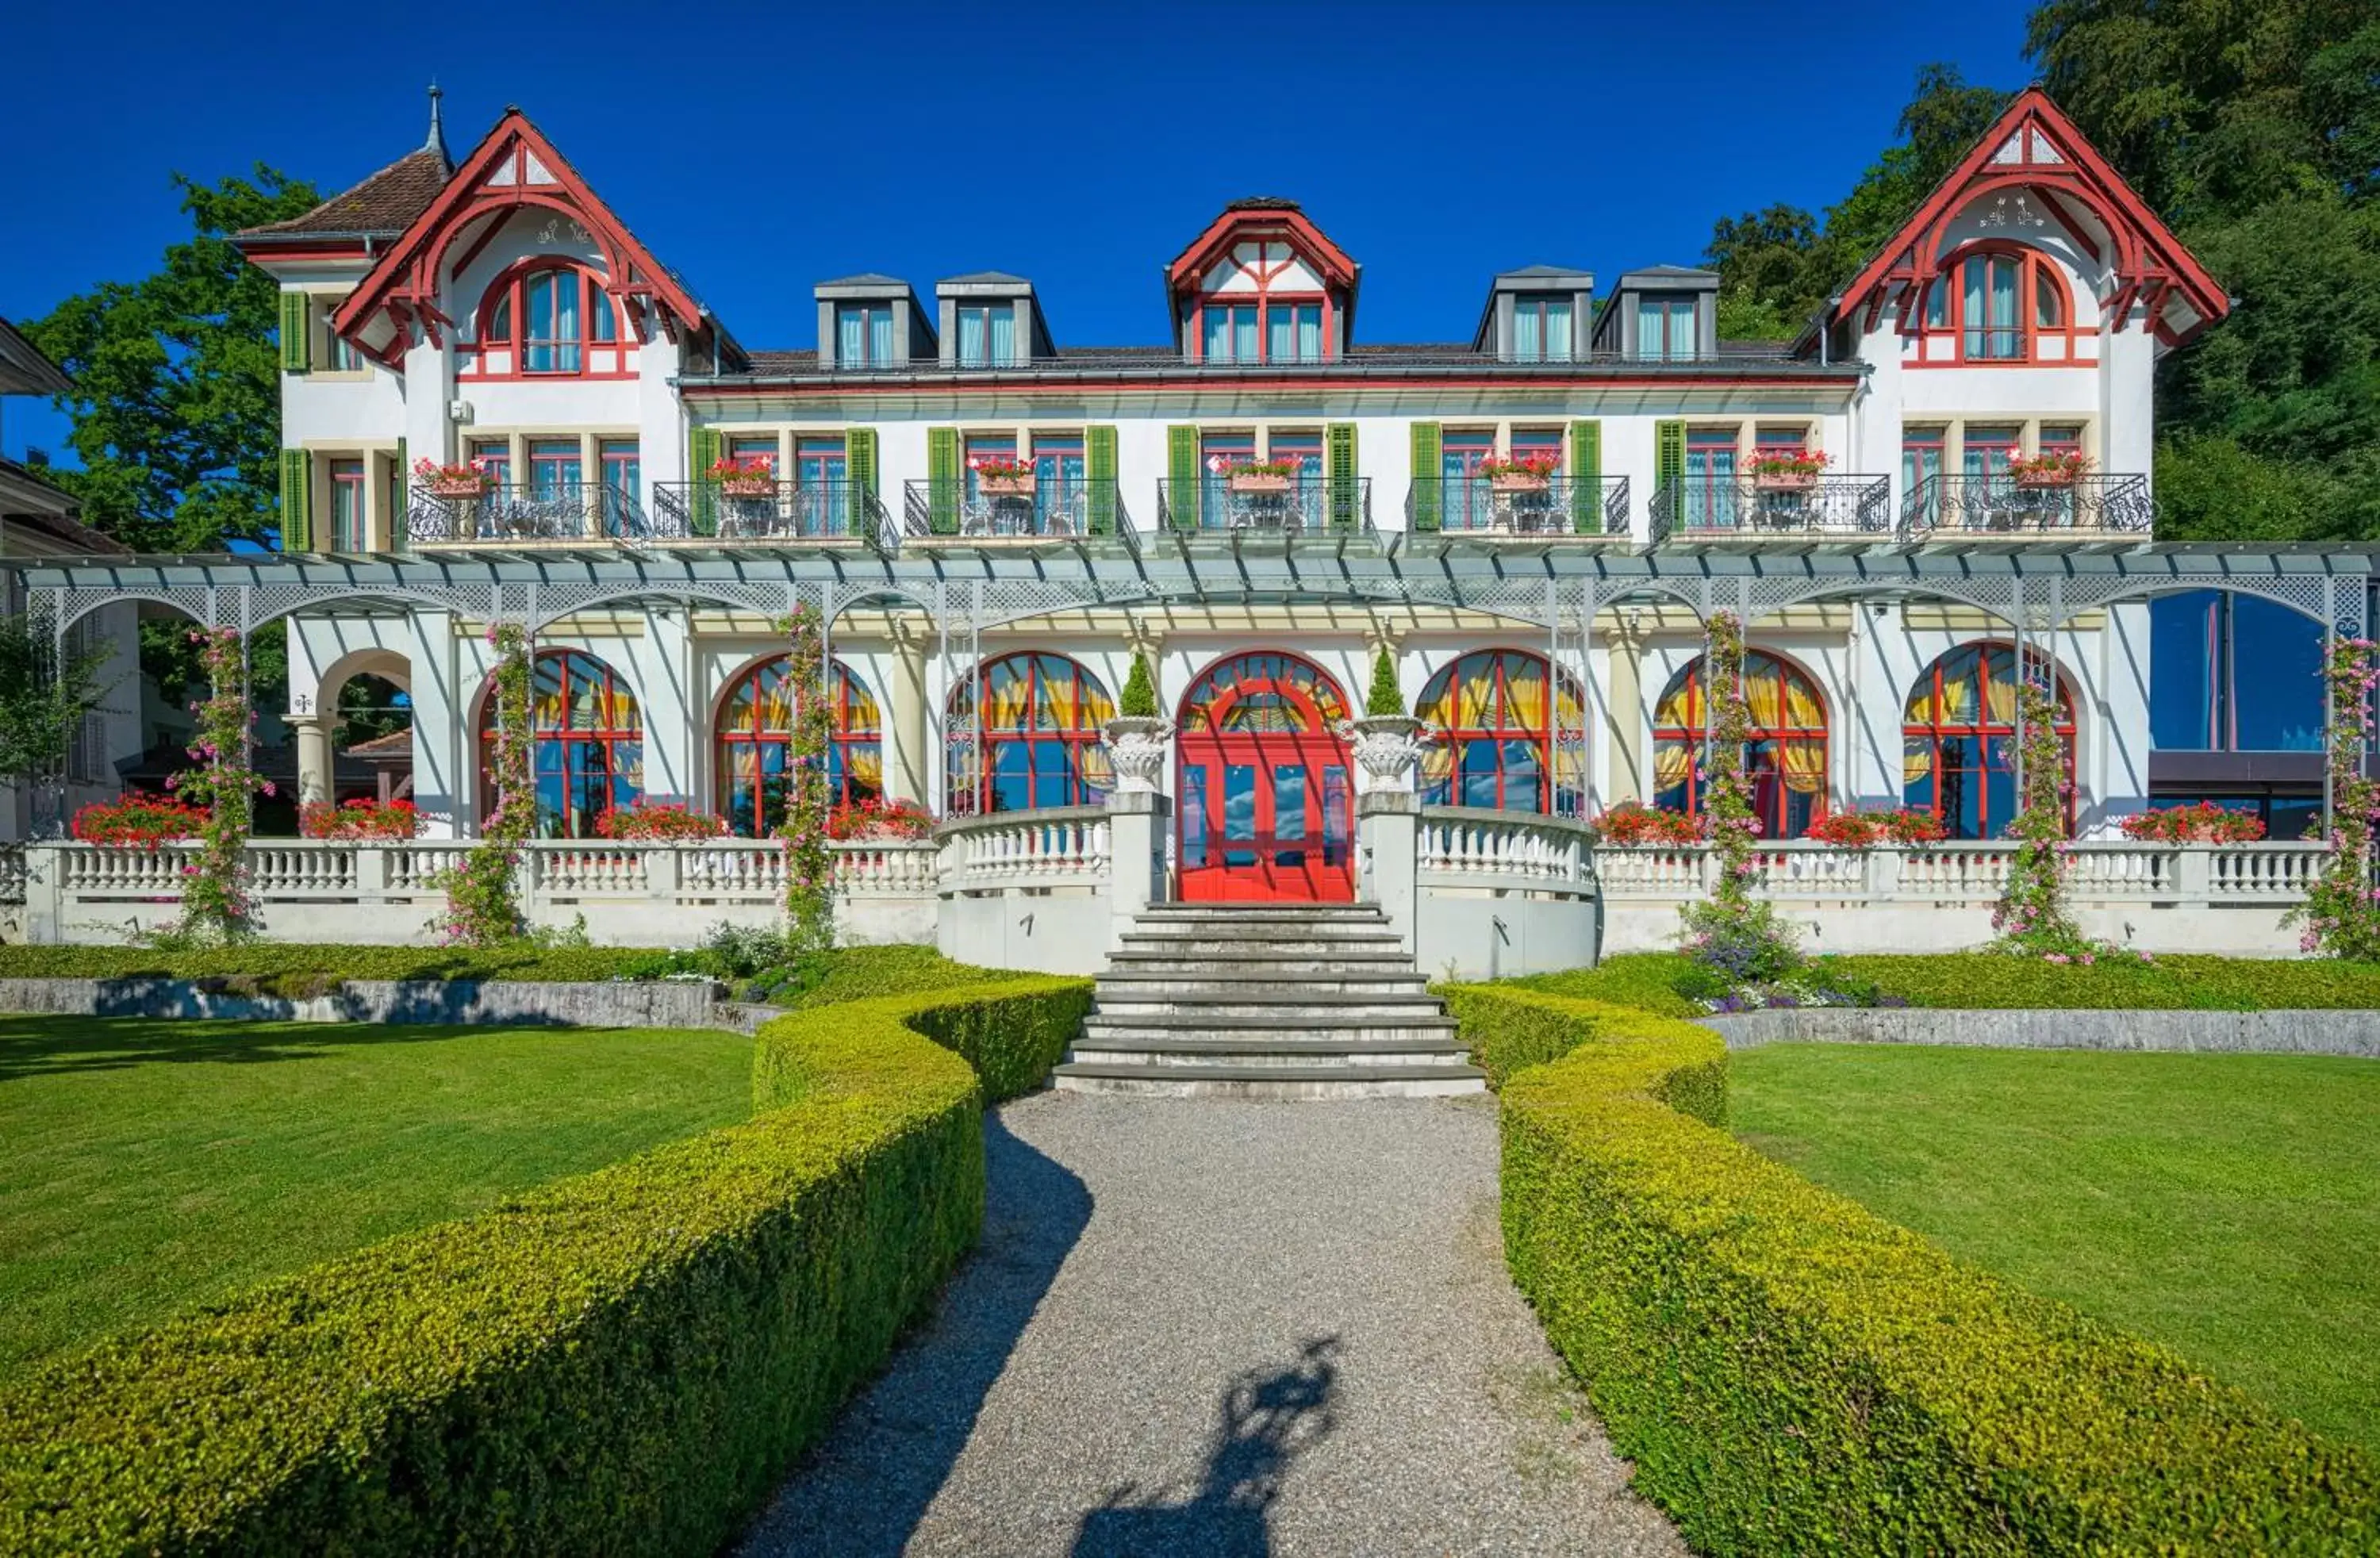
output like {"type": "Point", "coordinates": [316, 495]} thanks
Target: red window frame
{"type": "Point", "coordinates": [1443, 691]}
{"type": "Point", "coordinates": [504, 308]}
{"type": "Point", "coordinates": [858, 727]}
{"type": "Point", "coordinates": [619, 727]}
{"type": "Point", "coordinates": [1943, 311]}
{"type": "Point", "coordinates": [1079, 761]}
{"type": "Point", "coordinates": [1982, 729]}
{"type": "Point", "coordinates": [1773, 818]}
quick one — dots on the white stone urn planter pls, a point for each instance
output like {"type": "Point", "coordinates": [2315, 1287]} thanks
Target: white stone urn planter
{"type": "Point", "coordinates": [1388, 751]}
{"type": "Point", "coordinates": [1137, 748]}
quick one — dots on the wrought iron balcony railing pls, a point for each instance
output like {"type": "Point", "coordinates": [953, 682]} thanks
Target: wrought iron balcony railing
{"type": "Point", "coordinates": [1556, 506]}
{"type": "Point", "coordinates": [1056, 510]}
{"type": "Point", "coordinates": [769, 511]}
{"type": "Point", "coordinates": [1757, 508]}
{"type": "Point", "coordinates": [521, 513]}
{"type": "Point", "coordinates": [1288, 505]}
{"type": "Point", "coordinates": [1942, 506]}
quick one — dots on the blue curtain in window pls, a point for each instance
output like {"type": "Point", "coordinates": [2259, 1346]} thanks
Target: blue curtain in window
{"type": "Point", "coordinates": [1282, 345]}
{"type": "Point", "coordinates": [1003, 337]}
{"type": "Point", "coordinates": [880, 336]}
{"type": "Point", "coordinates": [1218, 335]}
{"type": "Point", "coordinates": [971, 342]}
{"type": "Point", "coordinates": [1528, 333]}
{"type": "Point", "coordinates": [1556, 333]}
{"type": "Point", "coordinates": [1651, 333]}
{"type": "Point", "coordinates": [565, 322]}
{"type": "Point", "coordinates": [851, 336]}
{"type": "Point", "coordinates": [1309, 333]}
{"type": "Point", "coordinates": [1243, 335]}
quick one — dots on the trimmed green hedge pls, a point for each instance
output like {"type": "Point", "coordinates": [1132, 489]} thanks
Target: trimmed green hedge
{"type": "Point", "coordinates": [620, 1363]}
{"type": "Point", "coordinates": [1792, 1374]}
{"type": "Point", "coordinates": [1979, 980]}
{"type": "Point", "coordinates": [284, 968]}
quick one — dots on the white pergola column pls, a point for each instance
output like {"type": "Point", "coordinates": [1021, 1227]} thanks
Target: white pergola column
{"type": "Point", "coordinates": [906, 697]}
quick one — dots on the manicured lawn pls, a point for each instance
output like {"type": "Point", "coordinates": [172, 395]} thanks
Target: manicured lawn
{"type": "Point", "coordinates": [2225, 1205]}
{"type": "Point", "coordinates": [146, 1167]}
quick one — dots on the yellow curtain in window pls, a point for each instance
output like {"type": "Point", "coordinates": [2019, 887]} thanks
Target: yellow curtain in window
{"type": "Point", "coordinates": [1436, 762]}
{"type": "Point", "coordinates": [1475, 693]}
{"type": "Point", "coordinates": [1006, 706]}
{"type": "Point", "coordinates": [1916, 760]}
{"type": "Point", "coordinates": [1802, 709]}
{"type": "Point", "coordinates": [1682, 705]}
{"type": "Point", "coordinates": [1525, 686]}
{"type": "Point", "coordinates": [865, 760]}
{"type": "Point", "coordinates": [1764, 692]}
{"type": "Point", "coordinates": [1672, 761]}
{"type": "Point", "coordinates": [2000, 690]}
{"type": "Point", "coordinates": [1803, 766]}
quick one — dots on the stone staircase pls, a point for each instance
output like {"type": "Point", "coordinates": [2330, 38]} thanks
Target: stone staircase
{"type": "Point", "coordinates": [1267, 1001]}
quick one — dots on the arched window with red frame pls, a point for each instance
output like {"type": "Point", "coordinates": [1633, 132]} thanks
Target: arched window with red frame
{"type": "Point", "coordinates": [1491, 742]}
{"type": "Point", "coordinates": [588, 755]}
{"type": "Point", "coordinates": [1025, 735]}
{"type": "Point", "coordinates": [1996, 303]}
{"type": "Point", "coordinates": [1958, 741]}
{"type": "Point", "coordinates": [547, 319]}
{"type": "Point", "coordinates": [754, 744]}
{"type": "Point", "coordinates": [1784, 751]}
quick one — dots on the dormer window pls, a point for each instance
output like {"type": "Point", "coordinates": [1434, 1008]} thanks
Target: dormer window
{"type": "Point", "coordinates": [1266, 332]}
{"type": "Point", "coordinates": [987, 334]}
{"type": "Point", "coordinates": [1665, 329]}
{"type": "Point", "coordinates": [1541, 328]}
{"type": "Point", "coordinates": [863, 335]}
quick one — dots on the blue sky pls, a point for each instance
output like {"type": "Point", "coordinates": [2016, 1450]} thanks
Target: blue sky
{"type": "Point", "coordinates": [1079, 145]}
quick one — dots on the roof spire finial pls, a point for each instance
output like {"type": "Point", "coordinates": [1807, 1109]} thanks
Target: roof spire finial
{"type": "Point", "coordinates": [437, 141]}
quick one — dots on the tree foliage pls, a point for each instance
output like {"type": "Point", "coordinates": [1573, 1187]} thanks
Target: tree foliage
{"type": "Point", "coordinates": [2254, 131]}
{"type": "Point", "coordinates": [44, 696]}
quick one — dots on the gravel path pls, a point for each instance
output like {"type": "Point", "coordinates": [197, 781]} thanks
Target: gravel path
{"type": "Point", "coordinates": [1211, 1327]}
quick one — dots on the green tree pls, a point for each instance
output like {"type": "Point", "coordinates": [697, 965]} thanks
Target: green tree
{"type": "Point", "coordinates": [43, 697]}
{"type": "Point", "coordinates": [176, 405]}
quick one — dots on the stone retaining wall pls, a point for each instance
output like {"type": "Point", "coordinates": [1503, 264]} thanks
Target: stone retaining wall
{"type": "Point", "coordinates": [523, 1002]}
{"type": "Point", "coordinates": [2315, 1032]}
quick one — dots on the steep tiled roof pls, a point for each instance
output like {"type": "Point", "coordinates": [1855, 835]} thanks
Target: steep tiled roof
{"type": "Point", "coordinates": [386, 203]}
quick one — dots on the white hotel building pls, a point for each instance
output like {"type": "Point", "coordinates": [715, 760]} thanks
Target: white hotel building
{"type": "Point", "coordinates": [495, 310]}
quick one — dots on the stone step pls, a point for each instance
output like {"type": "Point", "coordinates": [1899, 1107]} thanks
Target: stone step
{"type": "Point", "coordinates": [1354, 1031]}
{"type": "Point", "coordinates": [1270, 1081]}
{"type": "Point", "coordinates": [1310, 1053]}
{"type": "Point", "coordinates": [1254, 913]}
{"type": "Point", "coordinates": [1209, 983]}
{"type": "Point", "coordinates": [1264, 963]}
{"type": "Point", "coordinates": [1235, 947]}
{"type": "Point", "coordinates": [1322, 1011]}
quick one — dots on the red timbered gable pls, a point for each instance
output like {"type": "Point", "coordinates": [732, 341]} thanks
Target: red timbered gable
{"type": "Point", "coordinates": [2032, 167]}
{"type": "Point", "coordinates": [514, 181]}
{"type": "Point", "coordinates": [1262, 269]}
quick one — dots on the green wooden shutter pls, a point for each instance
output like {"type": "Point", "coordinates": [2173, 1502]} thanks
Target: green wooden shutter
{"type": "Point", "coordinates": [297, 333]}
{"type": "Point", "coordinates": [1099, 471]}
{"type": "Point", "coordinates": [1182, 476]}
{"type": "Point", "coordinates": [400, 519]}
{"type": "Point", "coordinates": [297, 501]}
{"type": "Point", "coordinates": [942, 489]}
{"type": "Point", "coordinates": [1587, 477]}
{"type": "Point", "coordinates": [1427, 493]}
{"type": "Point", "coordinates": [703, 448]}
{"type": "Point", "coordinates": [1339, 467]}
{"type": "Point", "coordinates": [1668, 468]}
{"type": "Point", "coordinates": [860, 470]}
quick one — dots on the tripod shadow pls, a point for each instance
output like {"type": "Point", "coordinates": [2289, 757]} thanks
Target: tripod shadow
{"type": "Point", "coordinates": [1265, 1420]}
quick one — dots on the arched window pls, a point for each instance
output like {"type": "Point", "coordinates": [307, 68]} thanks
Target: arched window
{"type": "Point", "coordinates": [589, 751]}
{"type": "Point", "coordinates": [754, 746]}
{"type": "Point", "coordinates": [1996, 304]}
{"type": "Point", "coordinates": [547, 321]}
{"type": "Point", "coordinates": [1038, 743]}
{"type": "Point", "coordinates": [1958, 741]}
{"type": "Point", "coordinates": [1490, 742]}
{"type": "Point", "coordinates": [1784, 755]}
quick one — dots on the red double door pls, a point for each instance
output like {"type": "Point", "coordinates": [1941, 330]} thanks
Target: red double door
{"type": "Point", "coordinates": [1265, 799]}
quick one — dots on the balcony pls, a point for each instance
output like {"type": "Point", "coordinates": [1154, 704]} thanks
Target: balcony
{"type": "Point", "coordinates": [514, 515]}
{"type": "Point", "coordinates": [1973, 508]}
{"type": "Point", "coordinates": [1220, 505]}
{"type": "Point", "coordinates": [1580, 508]}
{"type": "Point", "coordinates": [1753, 510]}
{"type": "Point", "coordinates": [945, 511]}
{"type": "Point", "coordinates": [770, 513]}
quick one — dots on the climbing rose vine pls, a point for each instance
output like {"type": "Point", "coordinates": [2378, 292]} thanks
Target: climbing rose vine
{"type": "Point", "coordinates": [809, 862]}
{"type": "Point", "coordinates": [483, 895]}
{"type": "Point", "coordinates": [2341, 913]}
{"type": "Point", "coordinates": [1739, 939]}
{"type": "Point", "coordinates": [215, 903]}
{"type": "Point", "coordinates": [2031, 917]}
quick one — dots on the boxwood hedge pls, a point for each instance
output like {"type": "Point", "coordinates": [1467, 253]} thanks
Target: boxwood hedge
{"type": "Point", "coordinates": [618, 1363]}
{"type": "Point", "coordinates": [1792, 1374]}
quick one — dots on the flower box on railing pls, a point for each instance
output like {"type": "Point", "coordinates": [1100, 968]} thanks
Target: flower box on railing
{"type": "Point", "coordinates": [1256, 482]}
{"type": "Point", "coordinates": [1784, 481]}
{"type": "Point", "coordinates": [457, 492]}
{"type": "Point", "coordinates": [749, 487]}
{"type": "Point", "coordinates": [1019, 485]}
{"type": "Point", "coordinates": [1520, 481]}
{"type": "Point", "coordinates": [2038, 480]}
